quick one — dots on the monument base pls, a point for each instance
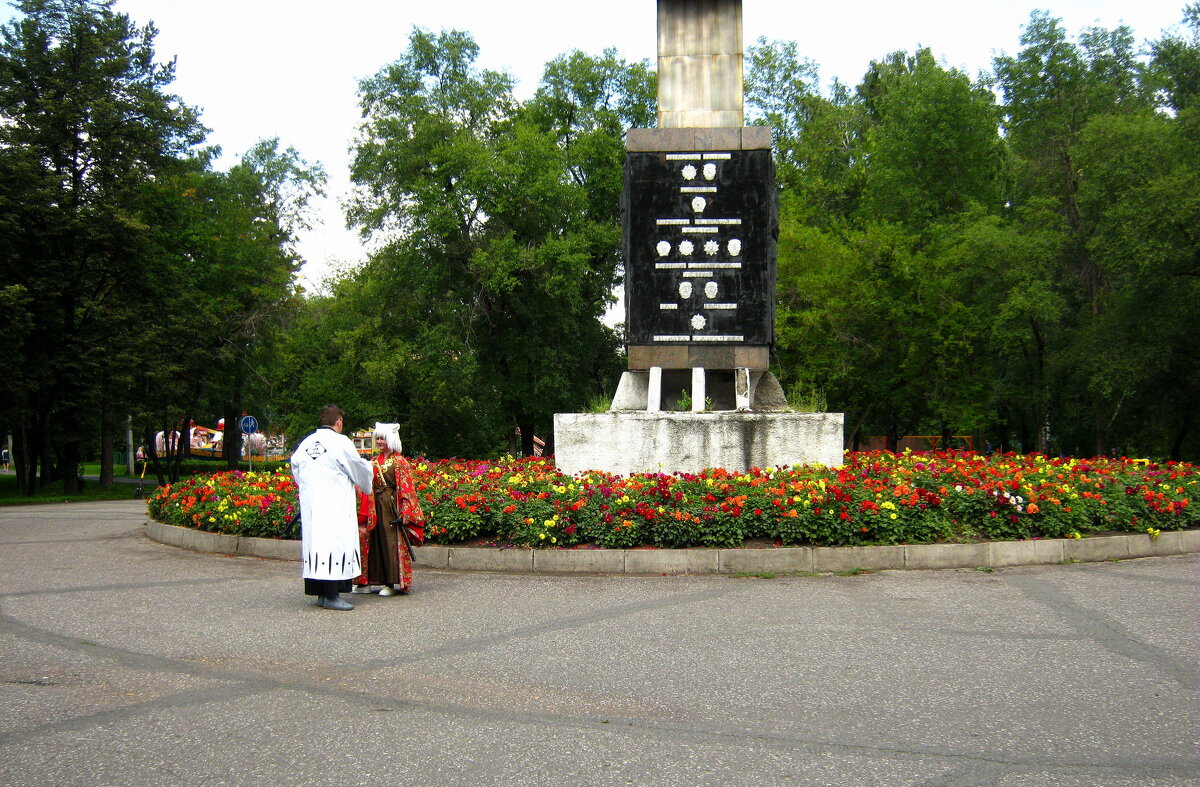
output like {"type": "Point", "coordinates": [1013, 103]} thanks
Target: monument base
{"type": "Point", "coordinates": [673, 442]}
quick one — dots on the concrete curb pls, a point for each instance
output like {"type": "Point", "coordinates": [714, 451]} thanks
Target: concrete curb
{"type": "Point", "coordinates": [784, 560]}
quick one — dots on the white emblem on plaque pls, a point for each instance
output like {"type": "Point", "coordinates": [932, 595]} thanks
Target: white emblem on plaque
{"type": "Point", "coordinates": [698, 322]}
{"type": "Point", "coordinates": [735, 247]}
{"type": "Point", "coordinates": [710, 290]}
{"type": "Point", "coordinates": [686, 248]}
{"type": "Point", "coordinates": [663, 248]}
{"type": "Point", "coordinates": [685, 289]}
{"type": "Point", "coordinates": [689, 172]}
{"type": "Point", "coordinates": [710, 171]}
{"type": "Point", "coordinates": [698, 204]}
{"type": "Point", "coordinates": [711, 247]}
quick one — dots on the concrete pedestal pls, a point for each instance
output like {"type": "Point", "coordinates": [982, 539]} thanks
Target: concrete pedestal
{"type": "Point", "coordinates": [670, 442]}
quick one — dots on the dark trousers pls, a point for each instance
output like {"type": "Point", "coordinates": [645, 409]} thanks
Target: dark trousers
{"type": "Point", "coordinates": [329, 588]}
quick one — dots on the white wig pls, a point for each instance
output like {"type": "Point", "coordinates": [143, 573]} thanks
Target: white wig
{"type": "Point", "coordinates": [391, 434]}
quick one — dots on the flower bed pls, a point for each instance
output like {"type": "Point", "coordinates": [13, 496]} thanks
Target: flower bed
{"type": "Point", "coordinates": [238, 503]}
{"type": "Point", "coordinates": [877, 498]}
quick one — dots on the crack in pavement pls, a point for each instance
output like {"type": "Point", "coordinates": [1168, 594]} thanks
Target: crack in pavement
{"type": "Point", "coordinates": [240, 684]}
{"type": "Point", "coordinates": [1126, 574]}
{"type": "Point", "coordinates": [169, 583]}
{"type": "Point", "coordinates": [1101, 629]}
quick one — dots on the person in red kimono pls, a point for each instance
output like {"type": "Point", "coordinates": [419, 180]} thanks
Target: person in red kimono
{"type": "Point", "coordinates": [390, 520]}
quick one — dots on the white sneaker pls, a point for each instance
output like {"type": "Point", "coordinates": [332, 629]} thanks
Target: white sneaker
{"type": "Point", "coordinates": [387, 591]}
{"type": "Point", "coordinates": [361, 589]}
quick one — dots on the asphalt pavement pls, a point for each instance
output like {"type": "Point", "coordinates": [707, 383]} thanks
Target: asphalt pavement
{"type": "Point", "coordinates": [129, 662]}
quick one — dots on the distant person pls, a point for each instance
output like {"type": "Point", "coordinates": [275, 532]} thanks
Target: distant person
{"type": "Point", "coordinates": [5, 458]}
{"type": "Point", "coordinates": [326, 468]}
{"type": "Point", "coordinates": [394, 522]}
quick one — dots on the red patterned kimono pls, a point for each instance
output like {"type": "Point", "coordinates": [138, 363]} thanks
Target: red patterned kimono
{"type": "Point", "coordinates": [384, 549]}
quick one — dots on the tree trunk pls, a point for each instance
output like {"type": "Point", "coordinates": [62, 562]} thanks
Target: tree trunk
{"type": "Point", "coordinates": [526, 428]}
{"type": "Point", "coordinates": [183, 447]}
{"type": "Point", "coordinates": [107, 426]}
{"type": "Point", "coordinates": [72, 483]}
{"type": "Point", "coordinates": [892, 441]}
{"type": "Point", "coordinates": [856, 432]}
{"type": "Point", "coordinates": [231, 443]}
{"type": "Point", "coordinates": [24, 461]}
{"type": "Point", "coordinates": [152, 455]}
{"type": "Point", "coordinates": [47, 474]}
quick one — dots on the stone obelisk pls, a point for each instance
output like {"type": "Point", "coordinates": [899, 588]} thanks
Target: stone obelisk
{"type": "Point", "coordinates": [700, 222]}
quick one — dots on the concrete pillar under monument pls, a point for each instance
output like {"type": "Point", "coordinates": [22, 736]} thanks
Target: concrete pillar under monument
{"type": "Point", "coordinates": [699, 229]}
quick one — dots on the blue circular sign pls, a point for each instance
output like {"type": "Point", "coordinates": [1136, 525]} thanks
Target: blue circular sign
{"type": "Point", "coordinates": [249, 424]}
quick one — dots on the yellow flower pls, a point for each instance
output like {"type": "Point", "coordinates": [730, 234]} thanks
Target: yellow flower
{"type": "Point", "coordinates": [893, 516]}
{"type": "Point", "coordinates": [541, 535]}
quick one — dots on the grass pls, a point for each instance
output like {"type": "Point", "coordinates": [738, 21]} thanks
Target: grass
{"type": "Point", "coordinates": [773, 574]}
{"type": "Point", "coordinates": [53, 493]}
{"type": "Point", "coordinates": [598, 403]}
{"type": "Point", "coordinates": [807, 400]}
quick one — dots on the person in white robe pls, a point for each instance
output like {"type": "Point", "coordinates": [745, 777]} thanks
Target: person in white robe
{"type": "Point", "coordinates": [326, 467]}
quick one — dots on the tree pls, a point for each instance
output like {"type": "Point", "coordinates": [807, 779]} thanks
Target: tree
{"type": "Point", "coordinates": [85, 123]}
{"type": "Point", "coordinates": [497, 234]}
{"type": "Point", "coordinates": [817, 139]}
{"type": "Point", "coordinates": [1055, 92]}
{"type": "Point", "coordinates": [224, 244]}
{"type": "Point", "coordinates": [932, 147]}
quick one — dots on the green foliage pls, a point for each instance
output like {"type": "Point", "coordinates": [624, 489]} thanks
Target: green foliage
{"type": "Point", "coordinates": [807, 400]}
{"type": "Point", "coordinates": [496, 228]}
{"type": "Point", "coordinates": [1036, 289]}
{"type": "Point", "coordinates": [141, 280]}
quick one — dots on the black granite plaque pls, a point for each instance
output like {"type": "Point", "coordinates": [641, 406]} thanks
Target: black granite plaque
{"type": "Point", "coordinates": [699, 244]}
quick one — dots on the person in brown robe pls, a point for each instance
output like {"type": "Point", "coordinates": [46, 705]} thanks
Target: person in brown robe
{"type": "Point", "coordinates": [390, 519]}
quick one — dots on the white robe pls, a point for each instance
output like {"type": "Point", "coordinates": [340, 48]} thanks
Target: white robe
{"type": "Point", "coordinates": [327, 467]}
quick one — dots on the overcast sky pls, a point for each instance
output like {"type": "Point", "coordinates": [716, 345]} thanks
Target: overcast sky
{"type": "Point", "coordinates": [290, 68]}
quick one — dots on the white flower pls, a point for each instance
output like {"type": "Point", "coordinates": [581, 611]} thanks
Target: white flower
{"type": "Point", "coordinates": [698, 322]}
{"type": "Point", "coordinates": [711, 247]}
{"type": "Point", "coordinates": [710, 171]}
{"type": "Point", "coordinates": [686, 248]}
{"type": "Point", "coordinates": [699, 204]}
{"type": "Point", "coordinates": [685, 289]}
{"type": "Point", "coordinates": [689, 172]}
{"type": "Point", "coordinates": [663, 248]}
{"type": "Point", "coordinates": [710, 290]}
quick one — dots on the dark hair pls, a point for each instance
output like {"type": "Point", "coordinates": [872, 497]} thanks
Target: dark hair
{"type": "Point", "coordinates": [330, 415]}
